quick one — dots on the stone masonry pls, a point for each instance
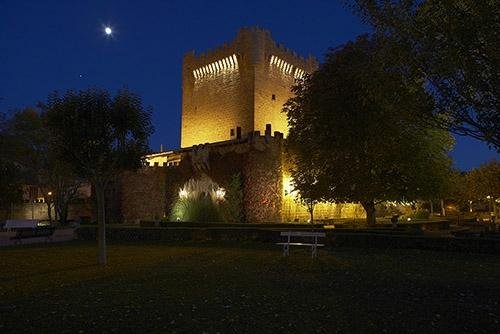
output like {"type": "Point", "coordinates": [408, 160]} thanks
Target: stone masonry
{"type": "Point", "coordinates": [238, 88]}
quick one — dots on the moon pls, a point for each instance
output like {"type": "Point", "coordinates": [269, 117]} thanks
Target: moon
{"type": "Point", "coordinates": [108, 31]}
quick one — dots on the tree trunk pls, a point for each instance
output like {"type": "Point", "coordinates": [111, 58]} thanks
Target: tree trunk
{"type": "Point", "coordinates": [432, 207]}
{"type": "Point", "coordinates": [310, 209]}
{"type": "Point", "coordinates": [49, 211]}
{"type": "Point", "coordinates": [443, 211]}
{"type": "Point", "coordinates": [62, 210]}
{"type": "Point", "coordinates": [63, 214]}
{"type": "Point", "coordinates": [369, 207]}
{"type": "Point", "coordinates": [101, 220]}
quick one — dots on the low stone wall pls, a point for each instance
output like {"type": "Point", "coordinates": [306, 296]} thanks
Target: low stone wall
{"type": "Point", "coordinates": [39, 211]}
{"type": "Point", "coordinates": [334, 238]}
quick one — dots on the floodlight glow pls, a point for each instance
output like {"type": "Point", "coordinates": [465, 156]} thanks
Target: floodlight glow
{"type": "Point", "coordinates": [183, 193]}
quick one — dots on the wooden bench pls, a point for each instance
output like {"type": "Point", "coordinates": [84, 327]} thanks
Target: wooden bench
{"type": "Point", "coordinates": [302, 235]}
{"type": "Point", "coordinates": [38, 232]}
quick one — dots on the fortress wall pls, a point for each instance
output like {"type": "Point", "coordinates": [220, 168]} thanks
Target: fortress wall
{"type": "Point", "coordinates": [263, 181]}
{"type": "Point", "coordinates": [143, 194]}
{"type": "Point", "coordinates": [215, 104]}
{"type": "Point", "coordinates": [221, 100]}
{"type": "Point", "coordinates": [294, 211]}
{"type": "Point", "coordinates": [272, 79]}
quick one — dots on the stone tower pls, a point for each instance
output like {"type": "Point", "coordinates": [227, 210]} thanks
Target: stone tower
{"type": "Point", "coordinates": [238, 88]}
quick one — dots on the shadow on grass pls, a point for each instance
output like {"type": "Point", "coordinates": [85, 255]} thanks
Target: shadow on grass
{"type": "Point", "coordinates": [48, 272]}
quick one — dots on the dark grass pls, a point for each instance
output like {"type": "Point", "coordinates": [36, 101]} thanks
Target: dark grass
{"type": "Point", "coordinates": [245, 288]}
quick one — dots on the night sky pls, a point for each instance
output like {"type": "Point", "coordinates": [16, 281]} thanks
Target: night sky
{"type": "Point", "coordinates": [57, 45]}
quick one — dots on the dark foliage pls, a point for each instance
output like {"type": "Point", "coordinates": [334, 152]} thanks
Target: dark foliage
{"type": "Point", "coordinates": [99, 136]}
{"type": "Point", "coordinates": [451, 48]}
{"type": "Point", "coordinates": [356, 136]}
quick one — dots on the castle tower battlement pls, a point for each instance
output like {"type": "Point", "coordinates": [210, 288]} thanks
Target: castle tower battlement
{"type": "Point", "coordinates": [238, 88]}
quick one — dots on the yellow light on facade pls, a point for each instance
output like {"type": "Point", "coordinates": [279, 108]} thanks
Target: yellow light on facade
{"type": "Point", "coordinates": [183, 193]}
{"type": "Point", "coordinates": [288, 186]}
{"type": "Point", "coordinates": [220, 194]}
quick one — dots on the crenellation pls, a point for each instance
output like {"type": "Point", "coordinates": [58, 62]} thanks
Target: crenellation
{"type": "Point", "coordinates": [242, 84]}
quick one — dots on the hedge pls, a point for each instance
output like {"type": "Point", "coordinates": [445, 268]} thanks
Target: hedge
{"type": "Point", "coordinates": [338, 237]}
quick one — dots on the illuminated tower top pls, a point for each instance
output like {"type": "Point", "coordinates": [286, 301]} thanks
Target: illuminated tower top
{"type": "Point", "coordinates": [238, 87]}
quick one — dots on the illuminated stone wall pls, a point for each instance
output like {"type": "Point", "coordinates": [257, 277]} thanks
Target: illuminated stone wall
{"type": "Point", "coordinates": [260, 159]}
{"type": "Point", "coordinates": [275, 72]}
{"type": "Point", "coordinates": [143, 194]}
{"type": "Point", "coordinates": [218, 100]}
{"type": "Point", "coordinates": [263, 181]}
{"type": "Point", "coordinates": [241, 84]}
{"type": "Point", "coordinates": [296, 212]}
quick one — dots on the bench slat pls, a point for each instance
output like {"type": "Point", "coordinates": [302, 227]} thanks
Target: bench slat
{"type": "Point", "coordinates": [302, 234]}
{"type": "Point", "coordinates": [298, 244]}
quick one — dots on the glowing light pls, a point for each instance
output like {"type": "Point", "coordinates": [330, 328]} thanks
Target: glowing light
{"type": "Point", "coordinates": [216, 67]}
{"type": "Point", "coordinates": [220, 194]}
{"type": "Point", "coordinates": [286, 67]}
{"type": "Point", "coordinates": [49, 193]}
{"type": "Point", "coordinates": [288, 185]}
{"type": "Point", "coordinates": [183, 193]}
{"type": "Point", "coordinates": [108, 31]}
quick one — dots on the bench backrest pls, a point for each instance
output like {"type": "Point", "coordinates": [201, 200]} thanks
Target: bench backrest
{"type": "Point", "coordinates": [21, 223]}
{"type": "Point", "coordinates": [302, 234]}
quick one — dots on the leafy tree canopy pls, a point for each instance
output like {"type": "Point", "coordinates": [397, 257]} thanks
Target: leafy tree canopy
{"type": "Point", "coordinates": [30, 148]}
{"type": "Point", "coordinates": [99, 136]}
{"type": "Point", "coordinates": [11, 179]}
{"type": "Point", "coordinates": [354, 129]}
{"type": "Point", "coordinates": [451, 48]}
{"type": "Point", "coordinates": [484, 181]}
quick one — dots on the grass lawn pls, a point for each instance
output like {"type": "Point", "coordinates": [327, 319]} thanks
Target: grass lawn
{"type": "Point", "coordinates": [245, 288]}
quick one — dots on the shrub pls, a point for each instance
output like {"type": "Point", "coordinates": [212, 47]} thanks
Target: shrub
{"type": "Point", "coordinates": [418, 214]}
{"type": "Point", "coordinates": [200, 209]}
{"type": "Point", "coordinates": [198, 201]}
